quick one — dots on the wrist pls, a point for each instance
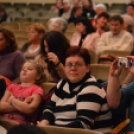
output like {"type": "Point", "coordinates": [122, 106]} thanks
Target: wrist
{"type": "Point", "coordinates": [57, 64]}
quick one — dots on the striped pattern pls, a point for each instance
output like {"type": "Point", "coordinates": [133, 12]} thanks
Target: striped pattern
{"type": "Point", "coordinates": [80, 105]}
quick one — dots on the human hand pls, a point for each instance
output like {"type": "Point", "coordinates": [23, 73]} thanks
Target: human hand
{"type": "Point", "coordinates": [131, 69]}
{"type": "Point", "coordinates": [43, 123]}
{"type": "Point", "coordinates": [10, 99]}
{"type": "Point", "coordinates": [53, 57]}
{"type": "Point", "coordinates": [114, 70]}
{"type": "Point", "coordinates": [28, 99]}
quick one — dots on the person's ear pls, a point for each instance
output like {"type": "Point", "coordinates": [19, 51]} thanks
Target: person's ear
{"type": "Point", "coordinates": [38, 77]}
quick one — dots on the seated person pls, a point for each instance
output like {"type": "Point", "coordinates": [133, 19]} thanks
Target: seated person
{"type": "Point", "coordinates": [11, 60]}
{"type": "Point", "coordinates": [53, 47]}
{"type": "Point", "coordinates": [121, 99]}
{"type": "Point", "coordinates": [88, 9]}
{"type": "Point", "coordinates": [58, 24]}
{"type": "Point", "coordinates": [15, 104]}
{"type": "Point", "coordinates": [100, 8]}
{"type": "Point", "coordinates": [116, 38]}
{"type": "Point", "coordinates": [3, 16]}
{"type": "Point", "coordinates": [101, 24]}
{"type": "Point", "coordinates": [66, 10]}
{"type": "Point", "coordinates": [79, 101]}
{"type": "Point", "coordinates": [76, 13]}
{"type": "Point", "coordinates": [57, 7]}
{"type": "Point", "coordinates": [32, 48]}
{"type": "Point", "coordinates": [85, 35]}
{"type": "Point", "coordinates": [130, 10]}
{"type": "Point", "coordinates": [128, 23]}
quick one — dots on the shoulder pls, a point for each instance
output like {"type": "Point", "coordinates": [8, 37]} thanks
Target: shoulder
{"type": "Point", "coordinates": [91, 86]}
{"type": "Point", "coordinates": [40, 56]}
{"type": "Point", "coordinates": [36, 89]}
{"type": "Point", "coordinates": [18, 53]}
{"type": "Point", "coordinates": [125, 33]}
{"type": "Point", "coordinates": [94, 35]}
{"type": "Point", "coordinates": [61, 83]}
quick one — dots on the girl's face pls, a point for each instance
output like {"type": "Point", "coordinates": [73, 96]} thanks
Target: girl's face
{"type": "Point", "coordinates": [46, 46]}
{"type": "Point", "coordinates": [3, 42]}
{"type": "Point", "coordinates": [33, 35]}
{"type": "Point", "coordinates": [28, 73]}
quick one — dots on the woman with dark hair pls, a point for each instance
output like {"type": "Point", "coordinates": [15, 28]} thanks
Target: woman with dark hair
{"type": "Point", "coordinates": [85, 35]}
{"type": "Point", "coordinates": [11, 60]}
{"type": "Point", "coordinates": [79, 100]}
{"type": "Point", "coordinates": [53, 47]}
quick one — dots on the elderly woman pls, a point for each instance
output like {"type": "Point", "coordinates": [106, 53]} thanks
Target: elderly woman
{"type": "Point", "coordinates": [53, 46]}
{"type": "Point", "coordinates": [66, 10]}
{"type": "Point", "coordinates": [58, 24]}
{"type": "Point", "coordinates": [128, 23]}
{"type": "Point", "coordinates": [121, 99]}
{"type": "Point", "coordinates": [11, 60]}
{"type": "Point", "coordinates": [85, 35]}
{"type": "Point", "coordinates": [32, 48]}
{"type": "Point", "coordinates": [57, 7]}
{"type": "Point", "coordinates": [79, 100]}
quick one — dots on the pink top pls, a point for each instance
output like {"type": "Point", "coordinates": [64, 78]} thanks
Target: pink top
{"type": "Point", "coordinates": [90, 41]}
{"type": "Point", "coordinates": [21, 93]}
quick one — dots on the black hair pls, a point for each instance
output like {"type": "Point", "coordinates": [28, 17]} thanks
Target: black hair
{"type": "Point", "coordinates": [86, 22]}
{"type": "Point", "coordinates": [117, 18]}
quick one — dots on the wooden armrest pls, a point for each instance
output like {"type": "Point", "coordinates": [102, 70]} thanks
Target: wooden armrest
{"type": "Point", "coordinates": [122, 125]}
{"type": "Point", "coordinates": [8, 124]}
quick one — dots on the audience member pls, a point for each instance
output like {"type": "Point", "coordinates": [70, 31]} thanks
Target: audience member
{"type": "Point", "coordinates": [76, 3]}
{"type": "Point", "coordinates": [32, 48]}
{"type": "Point", "coordinates": [117, 38]}
{"type": "Point", "coordinates": [26, 129]}
{"type": "Point", "coordinates": [88, 9]}
{"type": "Point", "coordinates": [66, 10]}
{"type": "Point", "coordinates": [58, 24]}
{"type": "Point", "coordinates": [15, 103]}
{"type": "Point", "coordinates": [130, 10]}
{"type": "Point", "coordinates": [79, 99]}
{"type": "Point", "coordinates": [99, 8]}
{"type": "Point", "coordinates": [53, 47]}
{"type": "Point", "coordinates": [76, 13]}
{"type": "Point", "coordinates": [121, 99]}
{"type": "Point", "coordinates": [11, 59]}
{"type": "Point", "coordinates": [101, 24]}
{"type": "Point", "coordinates": [128, 23]}
{"type": "Point", "coordinates": [85, 35]}
{"type": "Point", "coordinates": [57, 7]}
{"type": "Point", "coordinates": [3, 16]}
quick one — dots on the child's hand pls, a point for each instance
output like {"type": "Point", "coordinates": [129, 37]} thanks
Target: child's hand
{"type": "Point", "coordinates": [28, 99]}
{"type": "Point", "coordinates": [10, 99]}
{"type": "Point", "coordinates": [52, 57]}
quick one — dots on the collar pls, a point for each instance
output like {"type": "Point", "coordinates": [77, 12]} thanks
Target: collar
{"type": "Point", "coordinates": [118, 35]}
{"type": "Point", "coordinates": [72, 86]}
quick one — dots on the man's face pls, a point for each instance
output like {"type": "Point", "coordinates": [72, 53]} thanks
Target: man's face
{"type": "Point", "coordinates": [115, 27]}
{"type": "Point", "coordinates": [130, 10]}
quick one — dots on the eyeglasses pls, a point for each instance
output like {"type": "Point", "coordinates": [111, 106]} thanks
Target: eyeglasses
{"type": "Point", "coordinates": [77, 65]}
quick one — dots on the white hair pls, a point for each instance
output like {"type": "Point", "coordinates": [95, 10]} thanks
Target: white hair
{"type": "Point", "coordinates": [104, 8]}
{"type": "Point", "coordinates": [127, 19]}
{"type": "Point", "coordinates": [63, 23]}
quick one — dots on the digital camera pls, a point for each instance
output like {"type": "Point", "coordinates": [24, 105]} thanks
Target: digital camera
{"type": "Point", "coordinates": [124, 62]}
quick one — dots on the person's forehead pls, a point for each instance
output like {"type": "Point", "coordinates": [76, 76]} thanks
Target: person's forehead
{"type": "Point", "coordinates": [115, 22]}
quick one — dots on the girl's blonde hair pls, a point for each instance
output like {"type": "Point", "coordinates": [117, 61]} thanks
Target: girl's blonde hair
{"type": "Point", "coordinates": [40, 72]}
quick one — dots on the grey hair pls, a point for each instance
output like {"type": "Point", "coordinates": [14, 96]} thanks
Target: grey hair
{"type": "Point", "coordinates": [128, 19]}
{"type": "Point", "coordinates": [63, 24]}
{"type": "Point", "coordinates": [102, 6]}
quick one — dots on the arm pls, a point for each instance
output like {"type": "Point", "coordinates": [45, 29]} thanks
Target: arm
{"type": "Point", "coordinates": [27, 108]}
{"type": "Point", "coordinates": [18, 62]}
{"type": "Point", "coordinates": [96, 40]}
{"type": "Point", "coordinates": [4, 105]}
{"type": "Point", "coordinates": [127, 80]}
{"type": "Point", "coordinates": [59, 67]}
{"type": "Point", "coordinates": [113, 89]}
